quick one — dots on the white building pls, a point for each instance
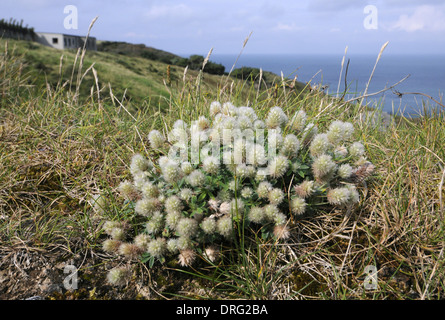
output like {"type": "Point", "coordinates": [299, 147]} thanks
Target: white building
{"type": "Point", "coordinates": [65, 41]}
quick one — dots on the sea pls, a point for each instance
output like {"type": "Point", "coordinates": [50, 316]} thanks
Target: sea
{"type": "Point", "coordinates": [426, 75]}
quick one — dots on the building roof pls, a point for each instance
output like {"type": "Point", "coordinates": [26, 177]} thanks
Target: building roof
{"type": "Point", "coordinates": [64, 34]}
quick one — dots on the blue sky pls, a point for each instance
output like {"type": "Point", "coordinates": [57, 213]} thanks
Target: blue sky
{"type": "Point", "coordinates": [277, 26]}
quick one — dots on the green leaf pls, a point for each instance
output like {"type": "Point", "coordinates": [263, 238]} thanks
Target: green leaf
{"type": "Point", "coordinates": [151, 262]}
{"type": "Point", "coordinates": [202, 197]}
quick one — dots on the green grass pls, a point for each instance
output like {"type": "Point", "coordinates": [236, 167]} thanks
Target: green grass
{"type": "Point", "coordinates": [57, 152]}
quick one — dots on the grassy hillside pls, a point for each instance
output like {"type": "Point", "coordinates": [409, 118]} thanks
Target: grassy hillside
{"type": "Point", "coordinates": [59, 151]}
{"type": "Point", "coordinates": [138, 76]}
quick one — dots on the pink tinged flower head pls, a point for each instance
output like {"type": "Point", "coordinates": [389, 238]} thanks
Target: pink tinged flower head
{"type": "Point", "coordinates": [281, 232]}
{"type": "Point", "coordinates": [187, 257]}
{"type": "Point", "coordinates": [305, 189]}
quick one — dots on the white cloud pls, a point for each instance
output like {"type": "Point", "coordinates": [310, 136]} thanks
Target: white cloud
{"type": "Point", "coordinates": [424, 18]}
{"type": "Point", "coordinates": [170, 12]}
{"type": "Point", "coordinates": [287, 27]}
